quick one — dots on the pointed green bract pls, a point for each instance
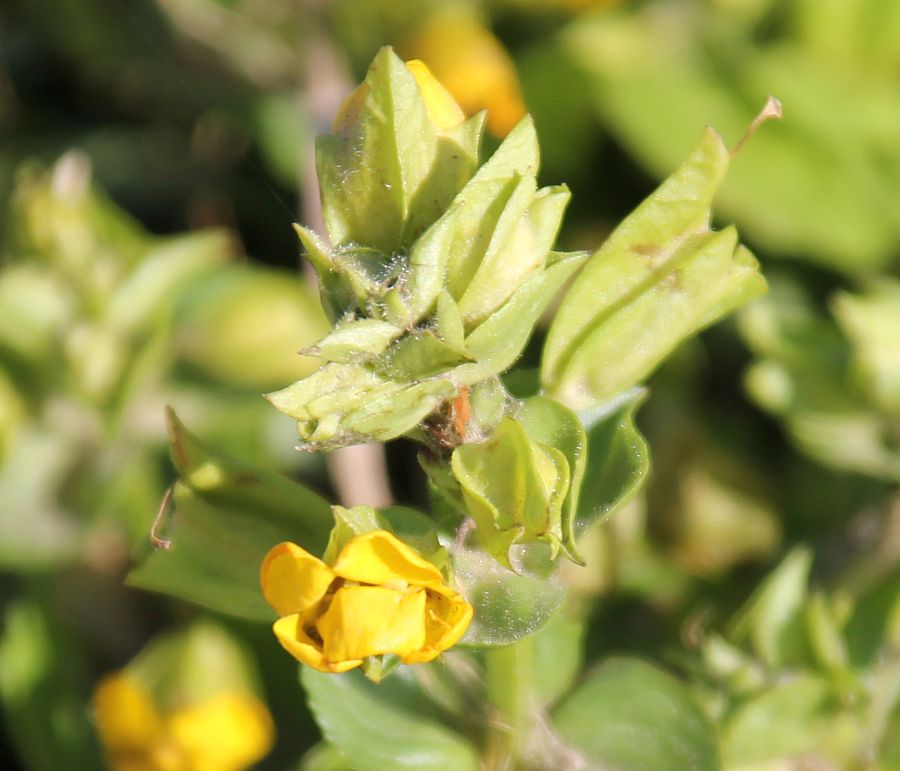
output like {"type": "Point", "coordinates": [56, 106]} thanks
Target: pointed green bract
{"type": "Point", "coordinates": [387, 173]}
{"type": "Point", "coordinates": [436, 273]}
{"type": "Point", "coordinates": [659, 278]}
{"type": "Point", "coordinates": [551, 423]}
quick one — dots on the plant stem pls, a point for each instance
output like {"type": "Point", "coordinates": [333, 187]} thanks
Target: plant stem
{"type": "Point", "coordinates": [513, 701]}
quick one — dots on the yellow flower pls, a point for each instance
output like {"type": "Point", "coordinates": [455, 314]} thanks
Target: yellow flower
{"type": "Point", "coordinates": [471, 64]}
{"type": "Point", "coordinates": [228, 732]}
{"type": "Point", "coordinates": [443, 111]}
{"type": "Point", "coordinates": [378, 597]}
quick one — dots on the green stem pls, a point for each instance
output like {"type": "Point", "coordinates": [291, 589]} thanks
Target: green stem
{"type": "Point", "coordinates": [511, 694]}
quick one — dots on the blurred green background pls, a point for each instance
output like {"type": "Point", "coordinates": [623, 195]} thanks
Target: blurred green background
{"type": "Point", "coordinates": [153, 157]}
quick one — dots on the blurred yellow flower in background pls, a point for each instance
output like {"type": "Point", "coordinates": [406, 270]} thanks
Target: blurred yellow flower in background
{"type": "Point", "coordinates": [228, 732]}
{"type": "Point", "coordinates": [379, 597]}
{"type": "Point", "coordinates": [471, 64]}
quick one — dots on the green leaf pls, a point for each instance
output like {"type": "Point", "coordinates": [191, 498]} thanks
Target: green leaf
{"type": "Point", "coordinates": [786, 721]}
{"type": "Point", "coordinates": [324, 757]}
{"type": "Point", "coordinates": [390, 725]}
{"type": "Point", "coordinates": [164, 270]}
{"type": "Point", "coordinates": [36, 533]}
{"type": "Point", "coordinates": [804, 375]}
{"type": "Point", "coordinates": [874, 626]}
{"type": "Point", "coordinates": [834, 201]}
{"type": "Point", "coordinates": [549, 422]}
{"type": "Point", "coordinates": [825, 639]}
{"type": "Point", "coordinates": [618, 460]}
{"type": "Point", "coordinates": [227, 516]}
{"type": "Point", "coordinates": [508, 606]}
{"type": "Point", "coordinates": [630, 716]}
{"type": "Point", "coordinates": [871, 322]}
{"type": "Point", "coordinates": [772, 619]}
{"type": "Point", "coordinates": [245, 325]}
{"type": "Point", "coordinates": [43, 682]}
{"type": "Point", "coordinates": [659, 278]}
{"type": "Point", "coordinates": [558, 655]}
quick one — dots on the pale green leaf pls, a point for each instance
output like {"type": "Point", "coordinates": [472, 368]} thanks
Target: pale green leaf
{"type": "Point", "coordinates": [630, 716]}
{"type": "Point", "coordinates": [390, 725]}
{"type": "Point", "coordinates": [660, 277]}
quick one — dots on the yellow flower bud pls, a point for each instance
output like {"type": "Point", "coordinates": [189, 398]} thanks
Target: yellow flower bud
{"type": "Point", "coordinates": [379, 597]}
{"type": "Point", "coordinates": [228, 732]}
{"type": "Point", "coordinates": [443, 110]}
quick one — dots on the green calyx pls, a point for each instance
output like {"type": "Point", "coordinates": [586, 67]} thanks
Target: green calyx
{"type": "Point", "coordinates": [520, 485]}
{"type": "Point", "coordinates": [434, 274]}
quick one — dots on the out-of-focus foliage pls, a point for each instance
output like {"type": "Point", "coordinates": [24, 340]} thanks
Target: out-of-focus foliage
{"type": "Point", "coordinates": [97, 317]}
{"type": "Point", "coordinates": [775, 440]}
{"type": "Point", "coordinates": [824, 184]}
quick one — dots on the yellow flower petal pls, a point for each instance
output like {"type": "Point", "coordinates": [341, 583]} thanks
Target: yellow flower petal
{"type": "Point", "coordinates": [126, 717]}
{"type": "Point", "coordinates": [446, 619]}
{"type": "Point", "coordinates": [380, 558]}
{"type": "Point", "coordinates": [292, 579]}
{"type": "Point", "coordinates": [230, 731]}
{"type": "Point", "coordinates": [442, 108]}
{"type": "Point", "coordinates": [372, 620]}
{"type": "Point", "coordinates": [296, 641]}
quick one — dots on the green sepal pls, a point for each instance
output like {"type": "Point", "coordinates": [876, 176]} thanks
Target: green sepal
{"type": "Point", "coordinates": [551, 423]}
{"type": "Point", "coordinates": [425, 271]}
{"type": "Point", "coordinates": [335, 292]}
{"type": "Point", "coordinates": [484, 198]}
{"type": "Point", "coordinates": [518, 248]}
{"type": "Point", "coordinates": [350, 403]}
{"type": "Point", "coordinates": [660, 277]}
{"type": "Point", "coordinates": [355, 339]}
{"type": "Point", "coordinates": [448, 321]}
{"type": "Point", "coordinates": [376, 668]}
{"type": "Point", "coordinates": [496, 343]}
{"type": "Point", "coordinates": [420, 355]}
{"type": "Point", "coordinates": [513, 488]}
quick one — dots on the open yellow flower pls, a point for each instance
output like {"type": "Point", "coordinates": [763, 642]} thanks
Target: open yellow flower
{"type": "Point", "coordinates": [228, 732]}
{"type": "Point", "coordinates": [379, 597]}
